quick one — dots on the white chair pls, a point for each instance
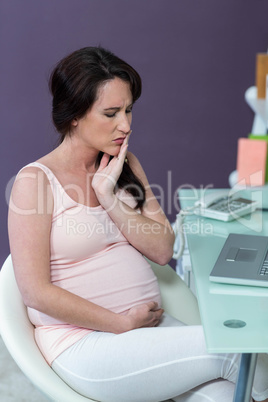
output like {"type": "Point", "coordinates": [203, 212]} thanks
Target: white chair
{"type": "Point", "coordinates": [18, 332]}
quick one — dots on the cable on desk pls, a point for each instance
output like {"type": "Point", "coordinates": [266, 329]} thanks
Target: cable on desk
{"type": "Point", "coordinates": [178, 230]}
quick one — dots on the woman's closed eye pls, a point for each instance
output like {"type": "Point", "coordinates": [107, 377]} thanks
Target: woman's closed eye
{"type": "Point", "coordinates": [110, 115]}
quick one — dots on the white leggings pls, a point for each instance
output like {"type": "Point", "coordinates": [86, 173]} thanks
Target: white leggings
{"type": "Point", "coordinates": [154, 364]}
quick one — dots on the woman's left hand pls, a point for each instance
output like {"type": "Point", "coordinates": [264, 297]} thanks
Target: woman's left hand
{"type": "Point", "coordinates": [106, 176]}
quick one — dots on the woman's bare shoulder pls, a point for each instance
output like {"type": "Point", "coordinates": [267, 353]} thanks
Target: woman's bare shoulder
{"type": "Point", "coordinates": [30, 187]}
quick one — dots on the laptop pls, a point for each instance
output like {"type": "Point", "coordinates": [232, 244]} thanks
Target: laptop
{"type": "Point", "coordinates": [243, 260]}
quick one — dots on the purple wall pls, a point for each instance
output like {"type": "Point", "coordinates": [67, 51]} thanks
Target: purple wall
{"type": "Point", "coordinates": [196, 58]}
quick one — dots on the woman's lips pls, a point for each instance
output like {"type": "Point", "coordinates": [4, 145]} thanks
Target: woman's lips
{"type": "Point", "coordinates": [119, 141]}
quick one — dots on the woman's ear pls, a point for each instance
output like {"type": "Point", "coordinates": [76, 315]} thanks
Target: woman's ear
{"type": "Point", "coordinates": [74, 122]}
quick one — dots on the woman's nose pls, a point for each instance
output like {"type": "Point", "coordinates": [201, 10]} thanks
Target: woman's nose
{"type": "Point", "coordinates": [125, 124]}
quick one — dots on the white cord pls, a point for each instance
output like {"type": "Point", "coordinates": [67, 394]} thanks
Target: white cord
{"type": "Point", "coordinates": [178, 230]}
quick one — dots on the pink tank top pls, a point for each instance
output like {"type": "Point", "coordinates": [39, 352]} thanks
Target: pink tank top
{"type": "Point", "coordinates": [90, 258]}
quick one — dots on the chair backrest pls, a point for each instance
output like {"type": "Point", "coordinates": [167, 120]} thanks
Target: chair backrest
{"type": "Point", "coordinates": [18, 335]}
{"type": "Point", "coordinates": [18, 332]}
{"type": "Point", "coordinates": [177, 299]}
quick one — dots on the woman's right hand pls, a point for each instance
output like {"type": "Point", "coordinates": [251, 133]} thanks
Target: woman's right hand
{"type": "Point", "coordinates": [107, 175]}
{"type": "Point", "coordinates": [144, 315]}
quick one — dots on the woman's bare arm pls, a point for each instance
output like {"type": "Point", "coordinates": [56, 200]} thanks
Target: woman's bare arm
{"type": "Point", "coordinates": [149, 231]}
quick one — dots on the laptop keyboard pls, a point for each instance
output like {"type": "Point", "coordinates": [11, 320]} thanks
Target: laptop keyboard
{"type": "Point", "coordinates": [264, 268]}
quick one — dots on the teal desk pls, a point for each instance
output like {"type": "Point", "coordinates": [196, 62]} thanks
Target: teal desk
{"type": "Point", "coordinates": [222, 303]}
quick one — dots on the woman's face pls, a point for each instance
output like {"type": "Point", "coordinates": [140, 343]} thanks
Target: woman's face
{"type": "Point", "coordinates": [108, 122]}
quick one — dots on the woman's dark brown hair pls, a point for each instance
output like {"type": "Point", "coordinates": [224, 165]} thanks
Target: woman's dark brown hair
{"type": "Point", "coordinates": [74, 85]}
